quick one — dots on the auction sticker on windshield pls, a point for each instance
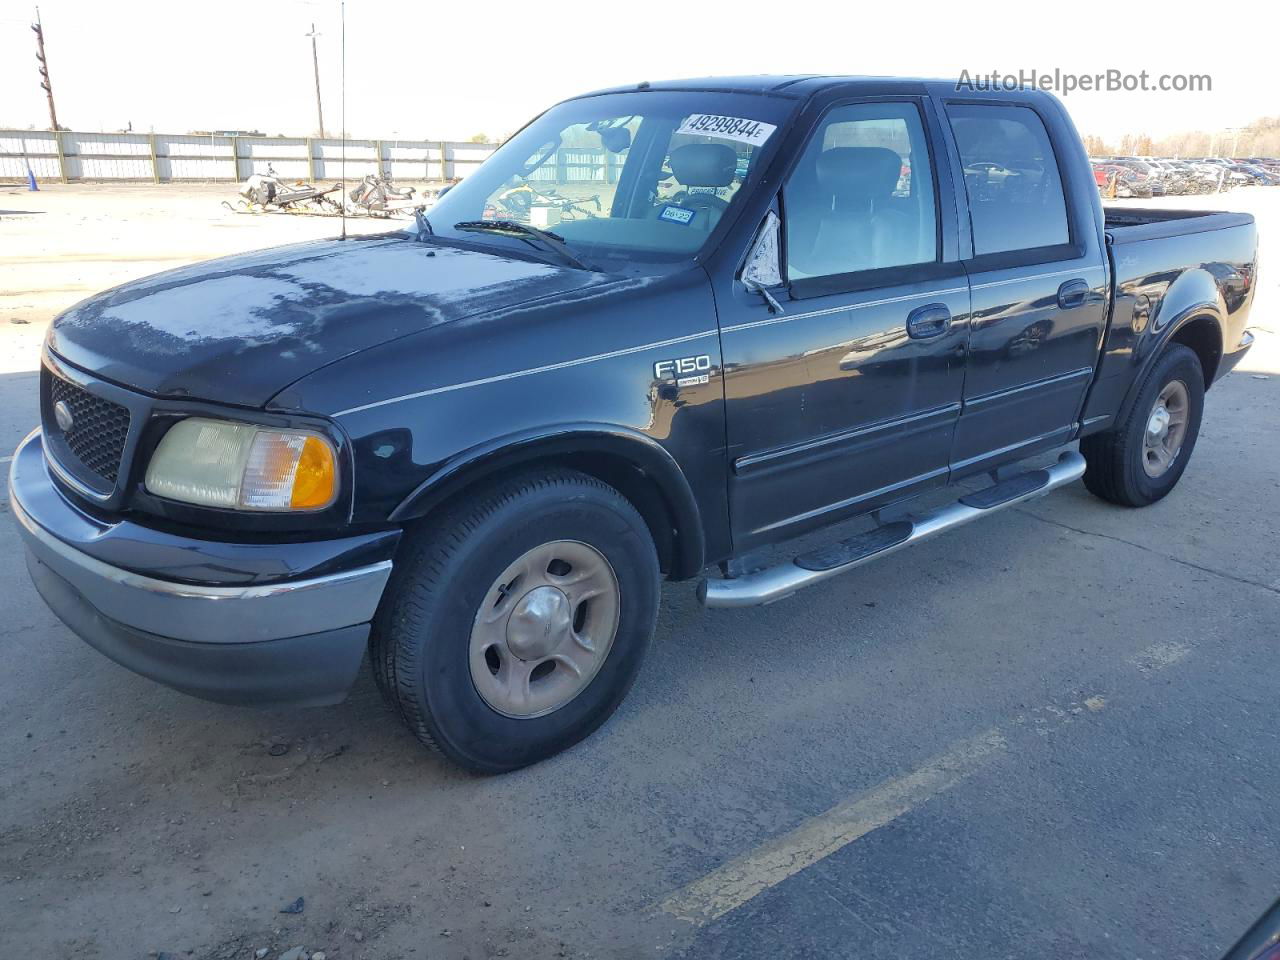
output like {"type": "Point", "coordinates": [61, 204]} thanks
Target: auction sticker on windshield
{"type": "Point", "coordinates": [727, 128]}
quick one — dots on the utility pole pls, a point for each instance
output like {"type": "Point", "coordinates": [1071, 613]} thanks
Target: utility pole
{"type": "Point", "coordinates": [315, 62]}
{"type": "Point", "coordinates": [38, 29]}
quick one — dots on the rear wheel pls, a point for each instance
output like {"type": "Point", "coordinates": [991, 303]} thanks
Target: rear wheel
{"type": "Point", "coordinates": [1142, 458]}
{"type": "Point", "coordinates": [516, 623]}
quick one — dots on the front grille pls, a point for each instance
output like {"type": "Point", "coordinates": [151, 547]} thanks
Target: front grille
{"type": "Point", "coordinates": [98, 427]}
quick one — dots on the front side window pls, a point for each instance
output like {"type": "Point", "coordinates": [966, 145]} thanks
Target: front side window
{"type": "Point", "coordinates": [861, 196]}
{"type": "Point", "coordinates": [1011, 177]}
{"type": "Point", "coordinates": [643, 176]}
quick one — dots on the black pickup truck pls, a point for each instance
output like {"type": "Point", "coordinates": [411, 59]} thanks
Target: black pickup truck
{"type": "Point", "coordinates": [660, 329]}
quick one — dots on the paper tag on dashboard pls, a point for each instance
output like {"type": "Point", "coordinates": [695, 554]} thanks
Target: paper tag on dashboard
{"type": "Point", "coordinates": [727, 128]}
{"type": "Point", "coordinates": [680, 215]}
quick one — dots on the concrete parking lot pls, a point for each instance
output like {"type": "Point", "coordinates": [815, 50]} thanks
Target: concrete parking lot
{"type": "Point", "coordinates": [1051, 734]}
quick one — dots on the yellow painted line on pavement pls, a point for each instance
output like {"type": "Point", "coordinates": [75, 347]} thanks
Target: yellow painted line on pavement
{"type": "Point", "coordinates": [746, 877]}
{"type": "Point", "coordinates": [750, 875]}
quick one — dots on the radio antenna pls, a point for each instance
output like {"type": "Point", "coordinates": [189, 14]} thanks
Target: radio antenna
{"type": "Point", "coordinates": [342, 195]}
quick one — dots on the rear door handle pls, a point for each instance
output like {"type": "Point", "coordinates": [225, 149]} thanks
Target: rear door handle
{"type": "Point", "coordinates": [931, 320]}
{"type": "Point", "coordinates": [1072, 294]}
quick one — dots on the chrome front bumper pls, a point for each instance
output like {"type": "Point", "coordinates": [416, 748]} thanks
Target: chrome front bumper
{"type": "Point", "coordinates": [290, 641]}
{"type": "Point", "coordinates": [204, 614]}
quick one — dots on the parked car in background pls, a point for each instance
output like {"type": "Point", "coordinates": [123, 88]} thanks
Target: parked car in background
{"type": "Point", "coordinates": [1174, 176]}
{"type": "Point", "coordinates": [1151, 175]}
{"type": "Point", "coordinates": [1212, 176]}
{"type": "Point", "coordinates": [1269, 164]}
{"type": "Point", "coordinates": [1180, 178]}
{"type": "Point", "coordinates": [1117, 181]}
{"type": "Point", "coordinates": [1256, 175]}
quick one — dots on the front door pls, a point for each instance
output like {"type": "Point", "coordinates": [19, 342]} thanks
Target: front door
{"type": "Point", "coordinates": [848, 398]}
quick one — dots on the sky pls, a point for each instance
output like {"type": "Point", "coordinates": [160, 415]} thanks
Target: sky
{"type": "Point", "coordinates": [451, 70]}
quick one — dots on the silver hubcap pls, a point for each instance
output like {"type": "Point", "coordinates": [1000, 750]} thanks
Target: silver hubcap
{"type": "Point", "coordinates": [544, 629]}
{"type": "Point", "coordinates": [1166, 428]}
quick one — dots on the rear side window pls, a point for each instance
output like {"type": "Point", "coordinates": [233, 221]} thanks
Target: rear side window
{"type": "Point", "coordinates": [1011, 177]}
{"type": "Point", "coordinates": [861, 195]}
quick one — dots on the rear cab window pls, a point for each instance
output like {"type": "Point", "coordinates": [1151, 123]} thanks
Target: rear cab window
{"type": "Point", "coordinates": [1011, 178]}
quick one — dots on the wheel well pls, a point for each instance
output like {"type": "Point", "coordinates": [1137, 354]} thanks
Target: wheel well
{"type": "Point", "coordinates": [641, 489]}
{"type": "Point", "coordinates": [643, 492]}
{"type": "Point", "coordinates": [1203, 338]}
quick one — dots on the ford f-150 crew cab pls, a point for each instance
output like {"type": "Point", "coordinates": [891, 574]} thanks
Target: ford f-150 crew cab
{"type": "Point", "coordinates": [660, 329]}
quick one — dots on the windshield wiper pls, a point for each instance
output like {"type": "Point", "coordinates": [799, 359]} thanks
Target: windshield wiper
{"type": "Point", "coordinates": [514, 228]}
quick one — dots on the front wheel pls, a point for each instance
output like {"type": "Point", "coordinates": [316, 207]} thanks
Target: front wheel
{"type": "Point", "coordinates": [1141, 459]}
{"type": "Point", "coordinates": [518, 619]}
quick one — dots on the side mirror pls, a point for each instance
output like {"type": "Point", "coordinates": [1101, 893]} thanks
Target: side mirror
{"type": "Point", "coordinates": [763, 266]}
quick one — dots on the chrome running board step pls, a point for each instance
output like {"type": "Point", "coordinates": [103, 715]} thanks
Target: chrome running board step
{"type": "Point", "coordinates": [1015, 488]}
{"type": "Point", "coordinates": [781, 581]}
{"type": "Point", "coordinates": [856, 548]}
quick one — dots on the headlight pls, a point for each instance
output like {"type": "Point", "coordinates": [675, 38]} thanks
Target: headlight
{"type": "Point", "coordinates": [217, 463]}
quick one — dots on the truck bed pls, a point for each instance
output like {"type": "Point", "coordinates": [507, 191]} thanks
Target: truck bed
{"type": "Point", "coordinates": [1131, 224]}
{"type": "Point", "coordinates": [1185, 263]}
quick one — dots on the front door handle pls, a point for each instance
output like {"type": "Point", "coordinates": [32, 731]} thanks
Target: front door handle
{"type": "Point", "coordinates": [1072, 294]}
{"type": "Point", "coordinates": [931, 320]}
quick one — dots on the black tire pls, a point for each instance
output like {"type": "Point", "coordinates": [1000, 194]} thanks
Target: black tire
{"type": "Point", "coordinates": [420, 645]}
{"type": "Point", "coordinates": [1115, 457]}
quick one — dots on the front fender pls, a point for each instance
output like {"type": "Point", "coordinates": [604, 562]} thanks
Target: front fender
{"type": "Point", "coordinates": [585, 442]}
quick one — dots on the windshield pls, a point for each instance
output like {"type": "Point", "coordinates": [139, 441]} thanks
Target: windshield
{"type": "Point", "coordinates": [643, 176]}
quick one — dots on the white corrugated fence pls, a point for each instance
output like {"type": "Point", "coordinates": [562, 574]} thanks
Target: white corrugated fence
{"type": "Point", "coordinates": [162, 157]}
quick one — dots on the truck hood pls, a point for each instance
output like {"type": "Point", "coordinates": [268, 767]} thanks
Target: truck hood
{"type": "Point", "coordinates": [240, 329]}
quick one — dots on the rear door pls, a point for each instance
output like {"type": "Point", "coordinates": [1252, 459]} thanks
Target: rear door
{"type": "Point", "coordinates": [1037, 275]}
{"type": "Point", "coordinates": [847, 399]}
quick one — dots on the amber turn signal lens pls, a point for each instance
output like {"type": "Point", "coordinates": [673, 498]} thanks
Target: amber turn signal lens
{"type": "Point", "coordinates": [315, 480]}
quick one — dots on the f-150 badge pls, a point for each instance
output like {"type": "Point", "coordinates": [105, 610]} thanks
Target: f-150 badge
{"type": "Point", "coordinates": [686, 371]}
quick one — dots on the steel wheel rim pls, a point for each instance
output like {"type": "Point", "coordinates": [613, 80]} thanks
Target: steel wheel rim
{"type": "Point", "coordinates": [1166, 429]}
{"type": "Point", "coordinates": [544, 629]}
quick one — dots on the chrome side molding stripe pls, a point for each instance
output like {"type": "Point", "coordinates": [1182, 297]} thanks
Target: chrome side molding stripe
{"type": "Point", "coordinates": [526, 373]}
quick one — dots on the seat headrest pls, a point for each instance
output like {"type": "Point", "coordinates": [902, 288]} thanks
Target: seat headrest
{"type": "Point", "coordinates": [704, 164]}
{"type": "Point", "coordinates": [859, 171]}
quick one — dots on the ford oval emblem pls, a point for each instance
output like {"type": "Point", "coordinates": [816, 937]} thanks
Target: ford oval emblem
{"type": "Point", "coordinates": [62, 413]}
